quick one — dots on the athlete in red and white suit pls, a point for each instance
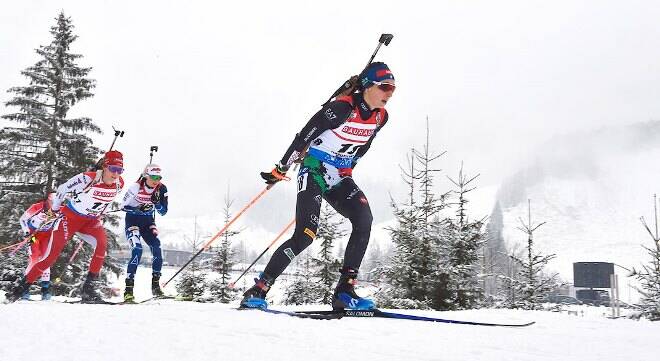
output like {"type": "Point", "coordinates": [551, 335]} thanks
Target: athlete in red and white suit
{"type": "Point", "coordinates": [85, 198]}
{"type": "Point", "coordinates": [32, 221]}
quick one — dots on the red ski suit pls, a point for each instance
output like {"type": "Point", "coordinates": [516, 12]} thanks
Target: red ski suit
{"type": "Point", "coordinates": [86, 198]}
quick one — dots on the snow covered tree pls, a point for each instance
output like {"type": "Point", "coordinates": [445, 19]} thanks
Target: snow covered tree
{"type": "Point", "coordinates": [192, 284]}
{"type": "Point", "coordinates": [649, 275]}
{"type": "Point", "coordinates": [47, 147]}
{"type": "Point", "coordinates": [223, 261]}
{"type": "Point", "coordinates": [531, 284]}
{"type": "Point", "coordinates": [303, 289]}
{"type": "Point", "coordinates": [464, 239]}
{"type": "Point", "coordinates": [373, 262]}
{"type": "Point", "coordinates": [415, 271]}
{"type": "Point", "coordinates": [326, 266]}
{"type": "Point", "coordinates": [494, 252]}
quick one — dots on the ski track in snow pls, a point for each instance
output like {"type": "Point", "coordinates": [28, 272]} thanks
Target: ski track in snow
{"type": "Point", "coordinates": [173, 330]}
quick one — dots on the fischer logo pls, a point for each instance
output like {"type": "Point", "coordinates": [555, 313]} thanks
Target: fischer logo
{"type": "Point", "coordinates": [357, 131]}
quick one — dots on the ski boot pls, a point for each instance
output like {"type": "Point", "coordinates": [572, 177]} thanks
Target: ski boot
{"type": "Point", "coordinates": [16, 291]}
{"type": "Point", "coordinates": [255, 297]}
{"type": "Point", "coordinates": [345, 297]}
{"type": "Point", "coordinates": [128, 292]}
{"type": "Point", "coordinates": [90, 292]}
{"type": "Point", "coordinates": [45, 290]}
{"type": "Point", "coordinates": [155, 285]}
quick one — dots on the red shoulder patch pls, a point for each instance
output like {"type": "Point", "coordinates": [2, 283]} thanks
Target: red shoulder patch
{"type": "Point", "coordinates": [345, 98]}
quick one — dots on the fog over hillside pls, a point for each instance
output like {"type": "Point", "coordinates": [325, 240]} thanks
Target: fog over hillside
{"type": "Point", "coordinates": [590, 188]}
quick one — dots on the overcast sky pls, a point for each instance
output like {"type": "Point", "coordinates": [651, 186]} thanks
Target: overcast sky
{"type": "Point", "coordinates": [222, 87]}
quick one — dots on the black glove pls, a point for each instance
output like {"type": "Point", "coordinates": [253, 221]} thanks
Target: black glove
{"type": "Point", "coordinates": [155, 196]}
{"type": "Point", "coordinates": [147, 207]}
{"type": "Point", "coordinates": [277, 174]}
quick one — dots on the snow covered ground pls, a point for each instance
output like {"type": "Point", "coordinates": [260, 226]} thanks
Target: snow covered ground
{"type": "Point", "coordinates": [173, 330]}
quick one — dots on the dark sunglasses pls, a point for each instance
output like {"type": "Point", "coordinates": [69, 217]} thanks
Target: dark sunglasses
{"type": "Point", "coordinates": [116, 169]}
{"type": "Point", "coordinates": [155, 178]}
{"type": "Point", "coordinates": [386, 87]}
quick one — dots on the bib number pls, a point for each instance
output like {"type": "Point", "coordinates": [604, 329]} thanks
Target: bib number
{"type": "Point", "coordinates": [302, 182]}
{"type": "Point", "coordinates": [349, 148]}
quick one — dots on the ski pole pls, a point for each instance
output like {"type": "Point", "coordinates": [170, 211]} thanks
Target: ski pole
{"type": "Point", "coordinates": [80, 244]}
{"type": "Point", "coordinates": [231, 285]}
{"type": "Point", "coordinates": [349, 84]}
{"type": "Point", "coordinates": [208, 244]}
{"type": "Point", "coordinates": [154, 148]}
{"type": "Point", "coordinates": [17, 244]}
{"type": "Point", "coordinates": [118, 133]}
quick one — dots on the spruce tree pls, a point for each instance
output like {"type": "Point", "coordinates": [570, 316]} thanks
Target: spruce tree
{"type": "Point", "coordinates": [531, 284]}
{"type": "Point", "coordinates": [303, 289]}
{"type": "Point", "coordinates": [494, 253]}
{"type": "Point", "coordinates": [464, 240]}
{"type": "Point", "coordinates": [415, 272]}
{"type": "Point", "coordinates": [400, 287]}
{"type": "Point", "coordinates": [326, 266]}
{"type": "Point", "coordinates": [192, 284]}
{"type": "Point", "coordinates": [46, 147]}
{"type": "Point", "coordinates": [223, 261]}
{"type": "Point", "coordinates": [649, 274]}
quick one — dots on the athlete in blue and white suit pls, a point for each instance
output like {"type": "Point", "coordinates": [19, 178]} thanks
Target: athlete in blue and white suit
{"type": "Point", "coordinates": [142, 199]}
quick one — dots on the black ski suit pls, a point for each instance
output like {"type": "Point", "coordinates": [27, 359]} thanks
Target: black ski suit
{"type": "Point", "coordinates": [323, 177]}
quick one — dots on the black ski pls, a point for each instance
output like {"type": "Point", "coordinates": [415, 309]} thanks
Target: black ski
{"type": "Point", "coordinates": [152, 298]}
{"type": "Point", "coordinates": [103, 302]}
{"type": "Point", "coordinates": [382, 314]}
{"type": "Point", "coordinates": [307, 315]}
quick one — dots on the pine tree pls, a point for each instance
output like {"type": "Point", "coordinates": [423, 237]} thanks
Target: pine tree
{"type": "Point", "coordinates": [399, 289]}
{"type": "Point", "coordinates": [531, 284]}
{"type": "Point", "coordinates": [48, 148]}
{"type": "Point", "coordinates": [464, 240]}
{"type": "Point", "coordinates": [303, 289]}
{"type": "Point", "coordinates": [415, 272]}
{"type": "Point", "coordinates": [192, 284]}
{"type": "Point", "coordinates": [649, 275]}
{"type": "Point", "coordinates": [223, 261]}
{"type": "Point", "coordinates": [494, 253]}
{"type": "Point", "coordinates": [325, 265]}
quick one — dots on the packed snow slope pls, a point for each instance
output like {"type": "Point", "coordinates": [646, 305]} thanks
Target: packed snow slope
{"type": "Point", "coordinates": [591, 188]}
{"type": "Point", "coordinates": [174, 330]}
